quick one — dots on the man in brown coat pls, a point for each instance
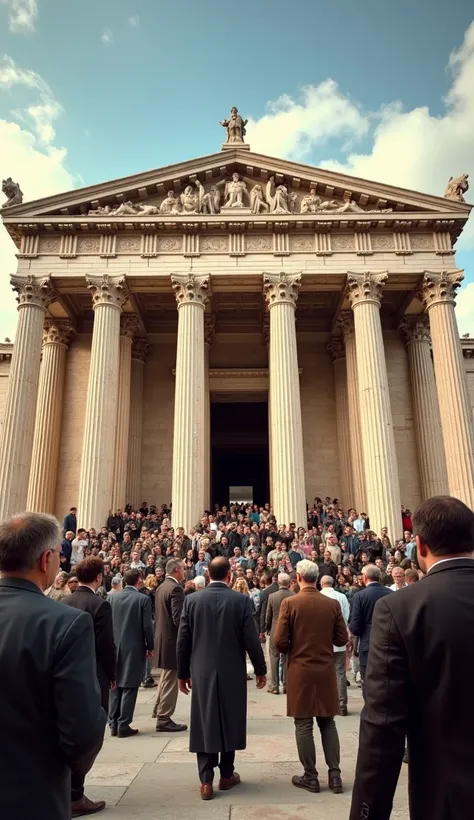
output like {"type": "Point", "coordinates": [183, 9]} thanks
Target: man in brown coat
{"type": "Point", "coordinates": [271, 620]}
{"type": "Point", "coordinates": [169, 602]}
{"type": "Point", "coordinates": [308, 627]}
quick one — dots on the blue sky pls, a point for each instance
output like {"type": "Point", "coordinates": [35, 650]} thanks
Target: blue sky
{"type": "Point", "coordinates": [99, 89]}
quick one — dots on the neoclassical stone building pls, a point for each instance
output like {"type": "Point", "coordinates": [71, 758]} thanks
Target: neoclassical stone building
{"type": "Point", "coordinates": [236, 320]}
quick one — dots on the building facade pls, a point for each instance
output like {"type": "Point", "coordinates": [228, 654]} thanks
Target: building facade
{"type": "Point", "coordinates": [236, 320]}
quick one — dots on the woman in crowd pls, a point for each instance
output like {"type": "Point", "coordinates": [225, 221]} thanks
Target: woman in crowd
{"type": "Point", "coordinates": [58, 590]}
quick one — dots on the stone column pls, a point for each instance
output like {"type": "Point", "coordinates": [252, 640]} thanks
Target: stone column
{"type": "Point", "coordinates": [109, 294]}
{"type": "Point", "coordinates": [438, 295]}
{"type": "Point", "coordinates": [209, 330]}
{"type": "Point", "coordinates": [378, 443]}
{"type": "Point", "coordinates": [286, 433]}
{"type": "Point", "coordinates": [44, 464]}
{"type": "Point", "coordinates": [338, 353]}
{"type": "Point", "coordinates": [16, 447]}
{"type": "Point", "coordinates": [429, 438]}
{"type": "Point", "coordinates": [140, 350]}
{"type": "Point", "coordinates": [128, 328]}
{"type": "Point", "coordinates": [359, 499]}
{"type": "Point", "coordinates": [188, 494]}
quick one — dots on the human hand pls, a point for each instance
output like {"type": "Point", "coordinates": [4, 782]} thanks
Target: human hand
{"type": "Point", "coordinates": [185, 686]}
{"type": "Point", "coordinates": [113, 684]}
{"type": "Point", "coordinates": [149, 654]}
{"type": "Point", "coordinates": [261, 681]}
{"type": "Point", "coordinates": [262, 637]}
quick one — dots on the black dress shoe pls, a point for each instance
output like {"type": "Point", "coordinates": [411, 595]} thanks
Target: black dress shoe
{"type": "Point", "coordinates": [310, 784]}
{"type": "Point", "coordinates": [335, 784]}
{"type": "Point", "coordinates": [127, 732]}
{"type": "Point", "coordinates": [149, 683]}
{"type": "Point", "coordinates": [113, 731]}
{"type": "Point", "coordinates": [171, 726]}
{"type": "Point", "coordinates": [343, 711]}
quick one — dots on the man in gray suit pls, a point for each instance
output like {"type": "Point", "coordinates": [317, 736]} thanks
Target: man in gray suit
{"type": "Point", "coordinates": [50, 714]}
{"type": "Point", "coordinates": [271, 620]}
{"type": "Point", "coordinates": [133, 636]}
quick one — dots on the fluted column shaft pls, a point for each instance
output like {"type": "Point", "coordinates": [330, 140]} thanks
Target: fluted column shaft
{"type": "Point", "coordinates": [140, 350]}
{"type": "Point", "coordinates": [128, 327]}
{"type": "Point", "coordinates": [97, 465]}
{"type": "Point", "coordinates": [359, 498]}
{"type": "Point", "coordinates": [429, 438]}
{"type": "Point", "coordinates": [16, 447]}
{"type": "Point", "coordinates": [378, 442]}
{"type": "Point", "coordinates": [337, 351]}
{"type": "Point", "coordinates": [188, 492]}
{"type": "Point", "coordinates": [286, 431]}
{"type": "Point", "coordinates": [44, 463]}
{"type": "Point", "coordinates": [456, 415]}
{"type": "Point", "coordinates": [208, 339]}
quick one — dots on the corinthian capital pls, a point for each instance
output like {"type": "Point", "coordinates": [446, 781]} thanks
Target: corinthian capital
{"type": "Point", "coordinates": [140, 349]}
{"type": "Point", "coordinates": [440, 287]}
{"type": "Point", "coordinates": [365, 287]}
{"type": "Point", "coordinates": [190, 289]}
{"type": "Point", "coordinates": [415, 329]}
{"type": "Point", "coordinates": [33, 291]}
{"type": "Point", "coordinates": [345, 322]}
{"type": "Point", "coordinates": [108, 290]}
{"type": "Point", "coordinates": [281, 288]}
{"type": "Point", "coordinates": [336, 348]}
{"type": "Point", "coordinates": [129, 325]}
{"type": "Point", "coordinates": [58, 332]}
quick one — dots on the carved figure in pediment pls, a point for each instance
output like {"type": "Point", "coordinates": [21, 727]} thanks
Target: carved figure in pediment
{"type": "Point", "coordinates": [293, 202]}
{"type": "Point", "coordinates": [100, 211]}
{"type": "Point", "coordinates": [170, 204]}
{"type": "Point", "coordinates": [277, 198]}
{"type": "Point", "coordinates": [257, 201]}
{"type": "Point", "coordinates": [125, 209]}
{"type": "Point", "coordinates": [12, 192]}
{"type": "Point", "coordinates": [457, 187]}
{"type": "Point", "coordinates": [190, 201]}
{"type": "Point", "coordinates": [211, 201]}
{"type": "Point", "coordinates": [235, 126]}
{"type": "Point", "coordinates": [234, 192]}
{"type": "Point", "coordinates": [310, 204]}
{"type": "Point", "coordinates": [147, 210]}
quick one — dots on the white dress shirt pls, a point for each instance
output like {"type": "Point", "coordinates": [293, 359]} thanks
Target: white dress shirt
{"type": "Point", "coordinates": [330, 592]}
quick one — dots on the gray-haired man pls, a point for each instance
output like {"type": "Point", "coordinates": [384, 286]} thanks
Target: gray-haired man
{"type": "Point", "coordinates": [271, 620]}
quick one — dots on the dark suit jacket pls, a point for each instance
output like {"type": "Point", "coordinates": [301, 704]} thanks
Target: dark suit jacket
{"type": "Point", "coordinates": [217, 628]}
{"type": "Point", "coordinates": [50, 714]}
{"type": "Point", "coordinates": [360, 622]}
{"type": "Point", "coordinates": [419, 684]}
{"type": "Point", "coordinates": [133, 634]}
{"type": "Point", "coordinates": [169, 600]}
{"type": "Point", "coordinates": [273, 608]}
{"type": "Point", "coordinates": [105, 653]}
{"type": "Point", "coordinates": [264, 596]}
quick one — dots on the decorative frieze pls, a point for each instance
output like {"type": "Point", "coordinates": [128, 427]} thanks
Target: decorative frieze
{"type": "Point", "coordinates": [49, 245]}
{"type": "Point", "coordinates": [281, 244]}
{"type": "Point", "coordinates": [149, 245]}
{"type": "Point", "coordinates": [442, 243]}
{"type": "Point", "coordinates": [169, 244]}
{"type": "Point", "coordinates": [190, 244]}
{"type": "Point", "coordinates": [363, 244]}
{"type": "Point", "coordinates": [237, 244]}
{"type": "Point", "coordinates": [214, 244]}
{"type": "Point", "coordinates": [107, 246]}
{"type": "Point", "coordinates": [68, 246]}
{"type": "Point", "coordinates": [401, 241]}
{"type": "Point", "coordinates": [323, 244]}
{"type": "Point", "coordinates": [258, 244]}
{"type": "Point", "coordinates": [421, 241]}
{"type": "Point", "coordinates": [302, 244]}
{"type": "Point", "coordinates": [29, 246]}
{"type": "Point", "coordinates": [382, 242]}
{"type": "Point", "coordinates": [88, 244]}
{"type": "Point", "coordinates": [343, 242]}
{"type": "Point", "coordinates": [128, 244]}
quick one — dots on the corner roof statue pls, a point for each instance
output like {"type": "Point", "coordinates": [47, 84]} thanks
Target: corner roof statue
{"type": "Point", "coordinates": [457, 187]}
{"type": "Point", "coordinates": [13, 193]}
{"type": "Point", "coordinates": [235, 126]}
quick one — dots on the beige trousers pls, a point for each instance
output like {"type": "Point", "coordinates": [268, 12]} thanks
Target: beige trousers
{"type": "Point", "coordinates": [167, 696]}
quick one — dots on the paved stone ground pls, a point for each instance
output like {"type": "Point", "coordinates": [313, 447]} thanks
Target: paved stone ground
{"type": "Point", "coordinates": [154, 776]}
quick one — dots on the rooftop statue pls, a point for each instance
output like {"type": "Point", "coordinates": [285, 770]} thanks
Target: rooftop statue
{"type": "Point", "coordinates": [457, 187]}
{"type": "Point", "coordinates": [13, 193]}
{"type": "Point", "coordinates": [235, 126]}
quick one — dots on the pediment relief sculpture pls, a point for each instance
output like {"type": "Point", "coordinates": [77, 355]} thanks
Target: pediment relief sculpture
{"type": "Point", "coordinates": [13, 193]}
{"type": "Point", "coordinates": [456, 188]}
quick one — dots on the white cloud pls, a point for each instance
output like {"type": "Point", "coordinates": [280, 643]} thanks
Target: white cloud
{"type": "Point", "coordinates": [293, 128]}
{"type": "Point", "coordinates": [134, 21]}
{"type": "Point", "coordinates": [107, 36]}
{"type": "Point", "coordinates": [22, 15]}
{"type": "Point", "coordinates": [27, 154]}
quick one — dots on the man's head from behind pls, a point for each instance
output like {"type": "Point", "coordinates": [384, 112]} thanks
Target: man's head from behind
{"type": "Point", "coordinates": [90, 571]}
{"type": "Point", "coordinates": [443, 528]}
{"type": "Point", "coordinates": [283, 580]}
{"type": "Point", "coordinates": [370, 573]}
{"type": "Point", "coordinates": [307, 573]}
{"type": "Point", "coordinates": [132, 578]}
{"type": "Point", "coordinates": [30, 548]}
{"type": "Point", "coordinates": [219, 570]}
{"type": "Point", "coordinates": [175, 568]}
{"type": "Point", "coordinates": [327, 582]}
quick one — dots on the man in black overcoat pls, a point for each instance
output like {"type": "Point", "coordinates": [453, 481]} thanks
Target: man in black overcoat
{"type": "Point", "coordinates": [50, 714]}
{"type": "Point", "coordinates": [169, 600]}
{"type": "Point", "coordinates": [89, 574]}
{"type": "Point", "coordinates": [217, 628]}
{"type": "Point", "coordinates": [419, 678]}
{"type": "Point", "coordinates": [133, 635]}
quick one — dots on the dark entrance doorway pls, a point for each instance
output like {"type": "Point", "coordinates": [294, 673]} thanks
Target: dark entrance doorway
{"type": "Point", "coordinates": [239, 449]}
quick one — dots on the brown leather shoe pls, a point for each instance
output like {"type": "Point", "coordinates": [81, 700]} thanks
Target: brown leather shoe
{"type": "Point", "coordinates": [84, 806]}
{"type": "Point", "coordinates": [207, 792]}
{"type": "Point", "coordinates": [226, 783]}
{"type": "Point", "coordinates": [335, 784]}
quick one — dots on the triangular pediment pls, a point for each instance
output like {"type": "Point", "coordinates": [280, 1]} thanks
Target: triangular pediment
{"type": "Point", "coordinates": [303, 190]}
